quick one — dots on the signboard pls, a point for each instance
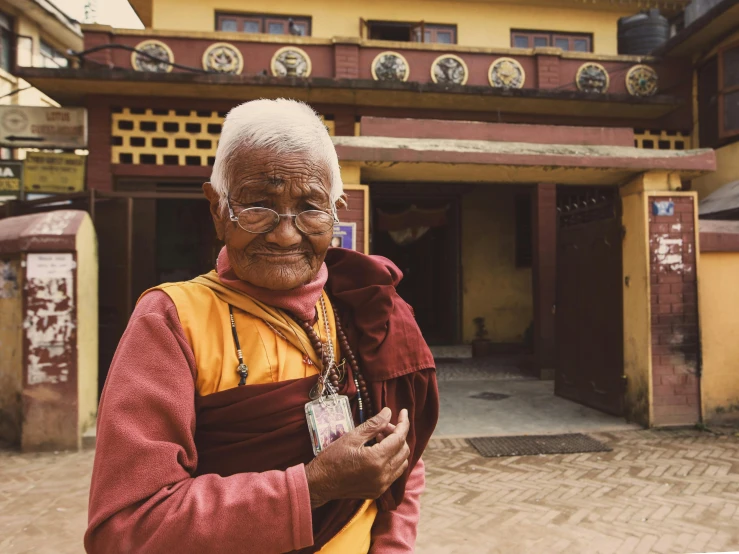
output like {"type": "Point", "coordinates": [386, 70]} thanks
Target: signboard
{"type": "Point", "coordinates": [345, 236]}
{"type": "Point", "coordinates": [11, 176]}
{"type": "Point", "coordinates": [54, 173]}
{"type": "Point", "coordinates": [39, 127]}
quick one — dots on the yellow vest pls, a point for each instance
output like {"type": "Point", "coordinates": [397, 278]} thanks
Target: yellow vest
{"type": "Point", "coordinates": [274, 348]}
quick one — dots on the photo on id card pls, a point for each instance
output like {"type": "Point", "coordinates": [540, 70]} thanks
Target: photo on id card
{"type": "Point", "coordinates": [328, 420]}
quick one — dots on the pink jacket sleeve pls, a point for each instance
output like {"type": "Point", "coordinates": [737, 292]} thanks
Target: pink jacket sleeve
{"type": "Point", "coordinates": [143, 496]}
{"type": "Point", "coordinates": [395, 532]}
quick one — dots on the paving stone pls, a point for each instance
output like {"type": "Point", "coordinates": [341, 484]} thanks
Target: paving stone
{"type": "Point", "coordinates": [642, 497]}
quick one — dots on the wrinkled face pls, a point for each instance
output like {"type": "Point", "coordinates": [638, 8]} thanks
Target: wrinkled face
{"type": "Point", "coordinates": [283, 258]}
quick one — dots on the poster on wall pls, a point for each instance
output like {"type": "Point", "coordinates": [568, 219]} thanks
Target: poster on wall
{"type": "Point", "coordinates": [345, 236]}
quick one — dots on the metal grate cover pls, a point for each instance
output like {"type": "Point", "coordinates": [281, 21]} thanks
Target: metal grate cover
{"type": "Point", "coordinates": [534, 445]}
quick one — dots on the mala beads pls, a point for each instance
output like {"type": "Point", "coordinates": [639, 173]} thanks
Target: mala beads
{"type": "Point", "coordinates": [363, 397]}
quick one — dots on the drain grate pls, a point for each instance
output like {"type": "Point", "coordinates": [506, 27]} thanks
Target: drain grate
{"type": "Point", "coordinates": [490, 395]}
{"type": "Point", "coordinates": [534, 445]}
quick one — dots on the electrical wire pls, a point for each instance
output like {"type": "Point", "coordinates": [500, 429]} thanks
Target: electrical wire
{"type": "Point", "coordinates": [16, 91]}
{"type": "Point", "coordinates": [81, 55]}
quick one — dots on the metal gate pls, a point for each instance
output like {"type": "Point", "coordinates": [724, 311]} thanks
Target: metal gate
{"type": "Point", "coordinates": [589, 303]}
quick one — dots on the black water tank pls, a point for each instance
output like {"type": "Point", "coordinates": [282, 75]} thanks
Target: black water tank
{"type": "Point", "coordinates": [642, 33]}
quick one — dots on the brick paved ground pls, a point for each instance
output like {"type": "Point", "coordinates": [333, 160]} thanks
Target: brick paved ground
{"type": "Point", "coordinates": [658, 491]}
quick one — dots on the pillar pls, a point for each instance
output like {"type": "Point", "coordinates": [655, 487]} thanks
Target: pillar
{"type": "Point", "coordinates": [544, 221]}
{"type": "Point", "coordinates": [661, 363]}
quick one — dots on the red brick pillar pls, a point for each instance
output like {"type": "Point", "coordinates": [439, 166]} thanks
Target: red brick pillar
{"type": "Point", "coordinates": [674, 325]}
{"type": "Point", "coordinates": [99, 175]}
{"type": "Point", "coordinates": [346, 60]}
{"type": "Point", "coordinates": [547, 68]}
{"type": "Point", "coordinates": [544, 221]}
{"type": "Point", "coordinates": [95, 38]}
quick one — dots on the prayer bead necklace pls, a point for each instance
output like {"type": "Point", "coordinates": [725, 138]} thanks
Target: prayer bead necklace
{"type": "Point", "coordinates": [335, 377]}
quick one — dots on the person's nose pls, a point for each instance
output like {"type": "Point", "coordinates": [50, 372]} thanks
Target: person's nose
{"type": "Point", "coordinates": [286, 234]}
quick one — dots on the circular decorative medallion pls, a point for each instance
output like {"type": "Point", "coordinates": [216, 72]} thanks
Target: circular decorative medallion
{"type": "Point", "coordinates": [642, 80]}
{"type": "Point", "coordinates": [390, 66]}
{"type": "Point", "coordinates": [152, 49]}
{"type": "Point", "coordinates": [449, 70]}
{"type": "Point", "coordinates": [593, 77]}
{"type": "Point", "coordinates": [290, 61]}
{"type": "Point", "coordinates": [222, 57]}
{"type": "Point", "coordinates": [506, 73]}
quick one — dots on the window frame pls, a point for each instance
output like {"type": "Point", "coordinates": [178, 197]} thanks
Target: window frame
{"type": "Point", "coordinates": [264, 19]}
{"type": "Point", "coordinates": [421, 26]}
{"type": "Point", "coordinates": [12, 46]}
{"type": "Point", "coordinates": [551, 36]}
{"type": "Point", "coordinates": [722, 91]}
{"type": "Point", "coordinates": [56, 55]}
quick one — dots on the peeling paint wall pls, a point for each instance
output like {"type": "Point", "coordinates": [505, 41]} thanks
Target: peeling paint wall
{"type": "Point", "coordinates": [674, 306]}
{"type": "Point", "coordinates": [49, 321]}
{"type": "Point", "coordinates": [50, 404]}
{"type": "Point", "coordinates": [11, 350]}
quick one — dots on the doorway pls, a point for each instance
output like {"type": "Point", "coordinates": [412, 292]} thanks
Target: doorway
{"type": "Point", "coordinates": [422, 238]}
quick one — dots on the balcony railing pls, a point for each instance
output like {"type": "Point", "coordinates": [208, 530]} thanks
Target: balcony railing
{"type": "Point", "coordinates": [440, 65]}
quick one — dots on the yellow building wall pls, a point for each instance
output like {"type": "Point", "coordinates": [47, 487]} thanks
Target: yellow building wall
{"type": "Point", "coordinates": [493, 287]}
{"type": "Point", "coordinates": [727, 170]}
{"type": "Point", "coordinates": [637, 308]}
{"type": "Point", "coordinates": [718, 296]}
{"type": "Point", "coordinates": [87, 325]}
{"type": "Point", "coordinates": [29, 55]}
{"type": "Point", "coordinates": [478, 24]}
{"type": "Point", "coordinates": [11, 350]}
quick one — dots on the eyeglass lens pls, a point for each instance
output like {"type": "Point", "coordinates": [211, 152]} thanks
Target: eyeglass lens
{"type": "Point", "coordinates": [263, 220]}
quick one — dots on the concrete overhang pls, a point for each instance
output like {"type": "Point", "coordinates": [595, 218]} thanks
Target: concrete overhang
{"type": "Point", "coordinates": [65, 30]}
{"type": "Point", "coordinates": [475, 161]}
{"type": "Point", "coordinates": [72, 86]}
{"type": "Point", "coordinates": [706, 31]}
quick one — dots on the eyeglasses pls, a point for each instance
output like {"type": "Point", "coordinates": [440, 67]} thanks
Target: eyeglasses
{"type": "Point", "coordinates": [264, 220]}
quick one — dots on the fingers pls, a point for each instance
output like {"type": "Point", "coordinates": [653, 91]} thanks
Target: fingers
{"type": "Point", "coordinates": [389, 428]}
{"type": "Point", "coordinates": [372, 427]}
{"type": "Point", "coordinates": [403, 425]}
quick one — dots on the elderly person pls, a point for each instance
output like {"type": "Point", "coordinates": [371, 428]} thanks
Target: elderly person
{"type": "Point", "coordinates": [223, 388]}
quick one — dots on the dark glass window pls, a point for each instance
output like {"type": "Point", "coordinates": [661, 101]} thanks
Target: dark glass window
{"type": "Point", "coordinates": [575, 42]}
{"type": "Point", "coordinates": [262, 23]}
{"type": "Point", "coordinates": [728, 91]}
{"type": "Point", "coordinates": [51, 57]}
{"type": "Point", "coordinates": [6, 42]}
{"type": "Point", "coordinates": [411, 32]}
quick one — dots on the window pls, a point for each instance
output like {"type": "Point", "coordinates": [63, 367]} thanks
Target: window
{"type": "Point", "coordinates": [524, 237]}
{"type": "Point", "coordinates": [566, 41]}
{"type": "Point", "coordinates": [410, 32]}
{"type": "Point", "coordinates": [51, 57]}
{"type": "Point", "coordinates": [728, 91]}
{"type": "Point", "coordinates": [269, 24]}
{"type": "Point", "coordinates": [6, 42]}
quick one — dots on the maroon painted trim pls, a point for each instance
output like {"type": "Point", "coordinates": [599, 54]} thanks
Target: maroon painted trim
{"type": "Point", "coordinates": [701, 161]}
{"type": "Point", "coordinates": [159, 171]}
{"type": "Point", "coordinates": [719, 236]}
{"type": "Point", "coordinates": [501, 132]}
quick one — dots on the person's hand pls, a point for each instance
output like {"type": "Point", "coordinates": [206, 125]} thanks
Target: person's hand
{"type": "Point", "coordinates": [349, 469]}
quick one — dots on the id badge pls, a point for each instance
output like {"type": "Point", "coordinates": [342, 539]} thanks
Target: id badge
{"type": "Point", "coordinates": [328, 418]}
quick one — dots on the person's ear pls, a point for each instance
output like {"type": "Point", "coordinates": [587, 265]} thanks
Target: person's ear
{"type": "Point", "coordinates": [220, 216]}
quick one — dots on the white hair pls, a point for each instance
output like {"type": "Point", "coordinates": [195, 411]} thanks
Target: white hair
{"type": "Point", "coordinates": [282, 126]}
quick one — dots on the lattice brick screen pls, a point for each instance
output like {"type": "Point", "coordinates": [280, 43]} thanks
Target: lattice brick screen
{"type": "Point", "coordinates": [167, 137]}
{"type": "Point", "coordinates": [661, 140]}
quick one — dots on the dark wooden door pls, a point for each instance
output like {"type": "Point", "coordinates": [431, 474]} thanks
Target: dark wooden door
{"type": "Point", "coordinates": [113, 218]}
{"type": "Point", "coordinates": [589, 305]}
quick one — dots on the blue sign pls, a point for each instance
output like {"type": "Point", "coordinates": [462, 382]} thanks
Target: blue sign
{"type": "Point", "coordinates": [663, 208]}
{"type": "Point", "coordinates": [345, 236]}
